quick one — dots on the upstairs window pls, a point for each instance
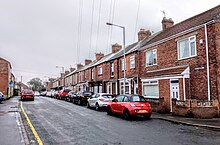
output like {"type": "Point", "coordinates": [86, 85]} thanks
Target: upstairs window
{"type": "Point", "coordinates": [92, 73]}
{"type": "Point", "coordinates": [186, 47]}
{"type": "Point", "coordinates": [151, 57]}
{"type": "Point", "coordinates": [132, 62]}
{"type": "Point", "coordinates": [112, 69]}
{"type": "Point", "coordinates": [100, 71]}
{"type": "Point", "coordinates": [123, 65]}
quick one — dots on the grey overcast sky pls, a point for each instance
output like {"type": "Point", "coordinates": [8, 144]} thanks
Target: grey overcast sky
{"type": "Point", "coordinates": [37, 35]}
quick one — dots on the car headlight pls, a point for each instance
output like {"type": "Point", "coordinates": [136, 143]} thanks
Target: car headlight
{"type": "Point", "coordinates": [132, 105]}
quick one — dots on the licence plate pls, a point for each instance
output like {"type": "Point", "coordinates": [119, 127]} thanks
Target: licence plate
{"type": "Point", "coordinates": [142, 111]}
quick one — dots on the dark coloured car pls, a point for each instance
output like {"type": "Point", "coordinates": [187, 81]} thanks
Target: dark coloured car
{"type": "Point", "coordinates": [1, 97]}
{"type": "Point", "coordinates": [82, 97]}
{"type": "Point", "coordinates": [70, 96]}
{"type": "Point", "coordinates": [129, 105]}
{"type": "Point", "coordinates": [27, 94]}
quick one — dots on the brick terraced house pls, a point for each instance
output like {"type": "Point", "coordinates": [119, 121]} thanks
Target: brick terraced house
{"type": "Point", "coordinates": [177, 69]}
{"type": "Point", "coordinates": [7, 79]}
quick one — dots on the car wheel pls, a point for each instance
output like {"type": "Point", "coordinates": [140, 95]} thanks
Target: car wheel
{"type": "Point", "coordinates": [97, 108]}
{"type": "Point", "coordinates": [109, 110]}
{"type": "Point", "coordinates": [126, 114]}
{"type": "Point", "coordinates": [33, 99]}
{"type": "Point", "coordinates": [147, 116]}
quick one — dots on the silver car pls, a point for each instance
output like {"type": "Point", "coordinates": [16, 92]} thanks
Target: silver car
{"type": "Point", "coordinates": [99, 100]}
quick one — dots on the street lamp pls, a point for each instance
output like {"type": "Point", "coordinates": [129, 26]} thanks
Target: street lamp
{"type": "Point", "coordinates": [62, 77]}
{"type": "Point", "coordinates": [123, 28]}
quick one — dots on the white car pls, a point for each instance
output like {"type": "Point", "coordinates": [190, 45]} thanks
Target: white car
{"type": "Point", "coordinates": [99, 100]}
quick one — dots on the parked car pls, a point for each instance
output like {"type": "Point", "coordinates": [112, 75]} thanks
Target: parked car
{"type": "Point", "coordinates": [99, 100]}
{"type": "Point", "coordinates": [49, 93]}
{"type": "Point", "coordinates": [63, 94]}
{"type": "Point", "coordinates": [82, 97]}
{"type": "Point", "coordinates": [27, 94]}
{"type": "Point", "coordinates": [43, 93]}
{"type": "Point", "coordinates": [53, 92]}
{"type": "Point", "coordinates": [129, 105]}
{"type": "Point", "coordinates": [36, 93]}
{"type": "Point", "coordinates": [1, 97]}
{"type": "Point", "coordinates": [70, 96]}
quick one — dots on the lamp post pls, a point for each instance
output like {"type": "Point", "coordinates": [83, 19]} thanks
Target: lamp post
{"type": "Point", "coordinates": [123, 28]}
{"type": "Point", "coordinates": [62, 77]}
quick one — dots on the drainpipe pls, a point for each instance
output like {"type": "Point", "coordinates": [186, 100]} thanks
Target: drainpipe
{"type": "Point", "coordinates": [207, 61]}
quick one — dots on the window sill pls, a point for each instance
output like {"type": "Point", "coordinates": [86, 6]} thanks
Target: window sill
{"type": "Point", "coordinates": [150, 65]}
{"type": "Point", "coordinates": [179, 59]}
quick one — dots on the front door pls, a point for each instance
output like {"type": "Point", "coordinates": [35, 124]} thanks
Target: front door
{"type": "Point", "coordinates": [175, 89]}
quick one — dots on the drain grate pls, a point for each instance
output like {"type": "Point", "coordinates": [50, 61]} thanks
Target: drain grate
{"type": "Point", "coordinates": [14, 107]}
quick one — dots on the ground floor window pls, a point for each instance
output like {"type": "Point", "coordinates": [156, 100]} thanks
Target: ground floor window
{"type": "Point", "coordinates": [127, 87]}
{"type": "Point", "coordinates": [150, 89]}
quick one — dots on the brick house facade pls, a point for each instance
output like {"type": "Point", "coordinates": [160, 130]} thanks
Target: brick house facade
{"type": "Point", "coordinates": [6, 78]}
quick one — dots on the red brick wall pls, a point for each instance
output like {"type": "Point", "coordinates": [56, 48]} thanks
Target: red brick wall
{"type": "Point", "coordinates": [167, 56]}
{"type": "Point", "coordinates": [4, 76]}
{"type": "Point", "coordinates": [164, 92]}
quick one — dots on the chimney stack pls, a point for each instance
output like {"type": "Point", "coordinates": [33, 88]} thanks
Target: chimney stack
{"type": "Point", "coordinates": [87, 61]}
{"type": "Point", "coordinates": [116, 47]}
{"type": "Point", "coordinates": [167, 23]}
{"type": "Point", "coordinates": [78, 66]}
{"type": "Point", "coordinates": [99, 55]}
{"type": "Point", "coordinates": [66, 72]}
{"type": "Point", "coordinates": [72, 69]}
{"type": "Point", "coordinates": [143, 34]}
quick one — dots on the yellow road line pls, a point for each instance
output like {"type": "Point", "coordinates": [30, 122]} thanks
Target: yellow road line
{"type": "Point", "coordinates": [31, 126]}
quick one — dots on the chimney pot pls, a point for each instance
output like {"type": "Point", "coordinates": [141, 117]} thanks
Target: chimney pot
{"type": "Point", "coordinates": [99, 55]}
{"type": "Point", "coordinates": [143, 34]}
{"type": "Point", "coordinates": [87, 61]}
{"type": "Point", "coordinates": [72, 69]}
{"type": "Point", "coordinates": [79, 66]}
{"type": "Point", "coordinates": [167, 23]}
{"type": "Point", "coordinates": [116, 47]}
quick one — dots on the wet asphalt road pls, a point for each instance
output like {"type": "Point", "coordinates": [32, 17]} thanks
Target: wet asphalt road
{"type": "Point", "coordinates": [64, 123]}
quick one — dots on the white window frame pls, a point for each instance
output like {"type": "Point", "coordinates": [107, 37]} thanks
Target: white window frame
{"type": "Point", "coordinates": [122, 64]}
{"type": "Point", "coordinates": [92, 71]}
{"type": "Point", "coordinates": [112, 69]}
{"type": "Point", "coordinates": [189, 42]}
{"type": "Point", "coordinates": [153, 51]}
{"type": "Point", "coordinates": [149, 83]}
{"type": "Point", "coordinates": [99, 70]}
{"type": "Point", "coordinates": [132, 59]}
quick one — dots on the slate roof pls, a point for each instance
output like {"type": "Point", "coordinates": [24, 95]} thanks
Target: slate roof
{"type": "Point", "coordinates": [187, 24]}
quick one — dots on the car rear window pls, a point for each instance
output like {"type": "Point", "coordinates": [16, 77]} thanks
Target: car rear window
{"type": "Point", "coordinates": [137, 99]}
{"type": "Point", "coordinates": [28, 92]}
{"type": "Point", "coordinates": [107, 96]}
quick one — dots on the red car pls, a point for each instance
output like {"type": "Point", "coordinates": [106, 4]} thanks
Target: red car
{"type": "Point", "coordinates": [27, 94]}
{"type": "Point", "coordinates": [129, 105]}
{"type": "Point", "coordinates": [63, 94]}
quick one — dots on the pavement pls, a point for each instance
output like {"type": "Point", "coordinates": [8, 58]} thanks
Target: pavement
{"type": "Point", "coordinates": [212, 124]}
{"type": "Point", "coordinates": [10, 123]}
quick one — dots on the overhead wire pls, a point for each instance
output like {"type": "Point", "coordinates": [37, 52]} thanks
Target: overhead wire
{"type": "Point", "coordinates": [112, 20]}
{"type": "Point", "coordinates": [135, 28]}
{"type": "Point", "coordinates": [79, 29]}
{"type": "Point", "coordinates": [110, 13]}
{"type": "Point", "coordinates": [91, 29]}
{"type": "Point", "coordinates": [99, 17]}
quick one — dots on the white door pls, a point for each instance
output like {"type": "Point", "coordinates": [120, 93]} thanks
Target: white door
{"type": "Point", "coordinates": [175, 90]}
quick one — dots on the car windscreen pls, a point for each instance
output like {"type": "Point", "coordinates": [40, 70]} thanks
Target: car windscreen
{"type": "Point", "coordinates": [28, 92]}
{"type": "Point", "coordinates": [137, 99]}
{"type": "Point", "coordinates": [107, 96]}
{"type": "Point", "coordinates": [67, 91]}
